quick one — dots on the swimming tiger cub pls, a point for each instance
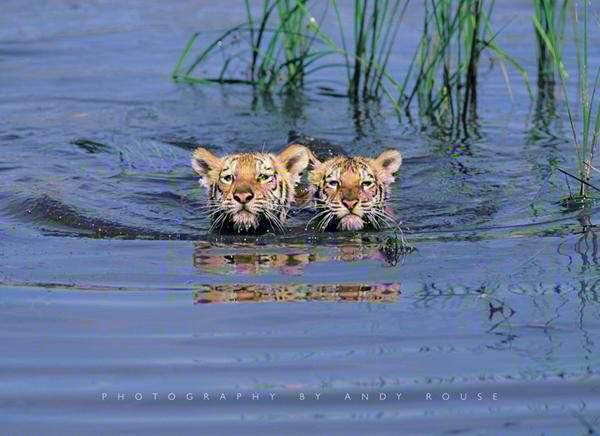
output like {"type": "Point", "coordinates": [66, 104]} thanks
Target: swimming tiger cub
{"type": "Point", "coordinates": [350, 192]}
{"type": "Point", "coordinates": [250, 192]}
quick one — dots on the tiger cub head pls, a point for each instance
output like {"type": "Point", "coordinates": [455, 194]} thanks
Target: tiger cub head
{"type": "Point", "coordinates": [250, 192]}
{"type": "Point", "coordinates": [350, 192]}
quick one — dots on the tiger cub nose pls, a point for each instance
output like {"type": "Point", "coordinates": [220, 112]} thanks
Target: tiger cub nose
{"type": "Point", "coordinates": [243, 197]}
{"type": "Point", "coordinates": [349, 203]}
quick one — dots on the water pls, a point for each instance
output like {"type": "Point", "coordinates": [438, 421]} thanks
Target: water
{"type": "Point", "coordinates": [110, 283]}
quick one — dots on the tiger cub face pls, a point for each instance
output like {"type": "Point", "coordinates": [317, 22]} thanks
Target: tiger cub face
{"type": "Point", "coordinates": [250, 192]}
{"type": "Point", "coordinates": [350, 192]}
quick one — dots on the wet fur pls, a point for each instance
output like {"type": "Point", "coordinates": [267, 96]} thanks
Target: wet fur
{"type": "Point", "coordinates": [250, 192]}
{"type": "Point", "coordinates": [350, 193]}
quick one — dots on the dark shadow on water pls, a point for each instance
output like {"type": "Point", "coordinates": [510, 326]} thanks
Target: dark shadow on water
{"type": "Point", "coordinates": [321, 148]}
{"type": "Point", "coordinates": [90, 146]}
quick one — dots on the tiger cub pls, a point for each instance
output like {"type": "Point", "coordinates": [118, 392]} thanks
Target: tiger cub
{"type": "Point", "coordinates": [350, 192]}
{"type": "Point", "coordinates": [250, 192]}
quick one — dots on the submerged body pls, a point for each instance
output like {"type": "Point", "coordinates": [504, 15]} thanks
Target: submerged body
{"type": "Point", "coordinates": [350, 192]}
{"type": "Point", "coordinates": [250, 192]}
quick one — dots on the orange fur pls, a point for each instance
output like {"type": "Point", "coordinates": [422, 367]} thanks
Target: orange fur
{"type": "Point", "coordinates": [350, 192]}
{"type": "Point", "coordinates": [248, 191]}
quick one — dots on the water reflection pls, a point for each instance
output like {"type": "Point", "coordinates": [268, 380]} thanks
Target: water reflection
{"type": "Point", "coordinates": [499, 311]}
{"type": "Point", "coordinates": [585, 245]}
{"type": "Point", "coordinates": [376, 293]}
{"type": "Point", "coordinates": [251, 261]}
{"type": "Point", "coordinates": [239, 262]}
{"type": "Point", "coordinates": [291, 261]}
{"type": "Point", "coordinates": [545, 115]}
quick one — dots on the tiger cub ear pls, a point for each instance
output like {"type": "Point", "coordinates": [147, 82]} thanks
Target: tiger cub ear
{"type": "Point", "coordinates": [294, 159]}
{"type": "Point", "coordinates": [388, 163]}
{"type": "Point", "coordinates": [313, 161]}
{"type": "Point", "coordinates": [317, 171]}
{"type": "Point", "coordinates": [206, 165]}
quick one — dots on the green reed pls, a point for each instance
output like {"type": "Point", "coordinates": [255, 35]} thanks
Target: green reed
{"type": "Point", "coordinates": [549, 19]}
{"type": "Point", "coordinates": [295, 44]}
{"type": "Point", "coordinates": [551, 16]}
{"type": "Point", "coordinates": [286, 44]}
{"type": "Point", "coordinates": [585, 136]}
{"type": "Point", "coordinates": [279, 48]}
{"type": "Point", "coordinates": [455, 34]}
{"type": "Point", "coordinates": [375, 27]}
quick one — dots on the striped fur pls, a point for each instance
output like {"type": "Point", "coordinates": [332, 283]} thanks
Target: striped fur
{"type": "Point", "coordinates": [250, 192]}
{"type": "Point", "coordinates": [350, 193]}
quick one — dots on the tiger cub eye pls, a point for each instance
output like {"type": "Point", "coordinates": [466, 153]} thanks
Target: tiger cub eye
{"type": "Point", "coordinates": [264, 177]}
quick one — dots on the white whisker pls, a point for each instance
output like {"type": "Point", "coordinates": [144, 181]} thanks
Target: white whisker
{"type": "Point", "coordinates": [318, 215]}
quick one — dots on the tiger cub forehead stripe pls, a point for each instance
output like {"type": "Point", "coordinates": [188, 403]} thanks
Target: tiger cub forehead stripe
{"type": "Point", "coordinates": [264, 167]}
{"type": "Point", "coordinates": [230, 167]}
{"type": "Point", "coordinates": [335, 173]}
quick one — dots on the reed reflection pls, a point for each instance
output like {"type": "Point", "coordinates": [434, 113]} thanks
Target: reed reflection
{"type": "Point", "coordinates": [585, 245]}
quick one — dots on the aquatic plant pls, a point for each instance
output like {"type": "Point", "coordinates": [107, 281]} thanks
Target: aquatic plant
{"type": "Point", "coordinates": [395, 247]}
{"type": "Point", "coordinates": [283, 45]}
{"type": "Point", "coordinates": [275, 55]}
{"type": "Point", "coordinates": [549, 19]}
{"type": "Point", "coordinates": [375, 26]}
{"type": "Point", "coordinates": [551, 16]}
{"type": "Point", "coordinates": [286, 43]}
{"type": "Point", "coordinates": [585, 137]}
{"type": "Point", "coordinates": [455, 34]}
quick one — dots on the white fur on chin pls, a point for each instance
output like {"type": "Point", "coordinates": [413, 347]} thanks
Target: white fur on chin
{"type": "Point", "coordinates": [244, 220]}
{"type": "Point", "coordinates": [351, 222]}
